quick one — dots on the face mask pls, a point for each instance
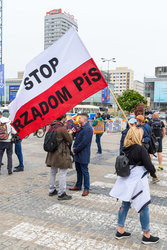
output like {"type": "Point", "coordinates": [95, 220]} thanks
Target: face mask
{"type": "Point", "coordinates": [132, 116]}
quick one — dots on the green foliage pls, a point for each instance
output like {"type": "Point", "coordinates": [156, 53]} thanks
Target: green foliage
{"type": "Point", "coordinates": [130, 99]}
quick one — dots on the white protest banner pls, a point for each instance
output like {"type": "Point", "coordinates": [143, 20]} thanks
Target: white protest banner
{"type": "Point", "coordinates": [54, 82]}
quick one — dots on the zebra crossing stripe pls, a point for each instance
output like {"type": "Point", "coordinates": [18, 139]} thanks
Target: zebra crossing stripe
{"type": "Point", "coordinates": [56, 239]}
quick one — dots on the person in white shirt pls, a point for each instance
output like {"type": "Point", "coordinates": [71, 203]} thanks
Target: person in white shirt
{"type": "Point", "coordinates": [6, 131]}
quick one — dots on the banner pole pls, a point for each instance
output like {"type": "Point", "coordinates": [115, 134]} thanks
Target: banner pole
{"type": "Point", "coordinates": [126, 119]}
{"type": "Point", "coordinates": [119, 106]}
{"type": "Point", "coordinates": [122, 112]}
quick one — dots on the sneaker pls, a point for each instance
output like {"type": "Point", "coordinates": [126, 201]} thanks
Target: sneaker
{"type": "Point", "coordinates": [98, 153]}
{"type": "Point", "coordinates": [160, 168]}
{"type": "Point", "coordinates": [53, 193]}
{"type": "Point", "coordinates": [154, 180]}
{"type": "Point", "coordinates": [64, 196]}
{"type": "Point", "coordinates": [10, 172]}
{"type": "Point", "coordinates": [150, 240]}
{"type": "Point", "coordinates": [121, 236]}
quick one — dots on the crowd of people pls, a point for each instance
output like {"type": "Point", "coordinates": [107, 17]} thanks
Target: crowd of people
{"type": "Point", "coordinates": [74, 140]}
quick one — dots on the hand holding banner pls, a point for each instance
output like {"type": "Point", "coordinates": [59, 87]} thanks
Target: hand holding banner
{"type": "Point", "coordinates": [54, 82]}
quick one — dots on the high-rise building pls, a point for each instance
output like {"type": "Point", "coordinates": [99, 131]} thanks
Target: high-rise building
{"type": "Point", "coordinates": [56, 25]}
{"type": "Point", "coordinates": [139, 87]}
{"type": "Point", "coordinates": [122, 79]}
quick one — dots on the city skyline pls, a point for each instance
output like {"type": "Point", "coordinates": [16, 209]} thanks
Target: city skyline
{"type": "Point", "coordinates": [131, 32]}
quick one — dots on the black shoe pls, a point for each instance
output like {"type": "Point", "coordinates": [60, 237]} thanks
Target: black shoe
{"type": "Point", "coordinates": [18, 170]}
{"type": "Point", "coordinates": [2, 163]}
{"type": "Point", "coordinates": [121, 236]}
{"type": "Point", "coordinates": [10, 172]}
{"type": "Point", "coordinates": [53, 193]}
{"type": "Point", "coordinates": [150, 240]}
{"type": "Point", "coordinates": [18, 167]}
{"type": "Point", "coordinates": [64, 196]}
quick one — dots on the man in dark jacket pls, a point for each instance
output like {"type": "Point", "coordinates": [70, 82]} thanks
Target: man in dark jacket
{"type": "Point", "coordinates": [158, 129]}
{"type": "Point", "coordinates": [81, 150]}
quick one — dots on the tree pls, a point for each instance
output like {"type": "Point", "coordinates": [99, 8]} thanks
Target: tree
{"type": "Point", "coordinates": [140, 109]}
{"type": "Point", "coordinates": [130, 99]}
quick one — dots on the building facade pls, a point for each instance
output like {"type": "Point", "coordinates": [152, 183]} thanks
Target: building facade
{"type": "Point", "coordinates": [12, 85]}
{"type": "Point", "coordinates": [139, 87]}
{"type": "Point", "coordinates": [56, 25]}
{"type": "Point", "coordinates": [122, 79]}
{"type": "Point", "coordinates": [156, 89]}
{"type": "Point", "coordinates": [118, 81]}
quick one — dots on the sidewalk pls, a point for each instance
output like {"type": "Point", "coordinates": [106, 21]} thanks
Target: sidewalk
{"type": "Point", "coordinates": [30, 219]}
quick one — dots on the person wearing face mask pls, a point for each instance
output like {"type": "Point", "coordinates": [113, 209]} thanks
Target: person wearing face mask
{"type": "Point", "coordinates": [131, 115]}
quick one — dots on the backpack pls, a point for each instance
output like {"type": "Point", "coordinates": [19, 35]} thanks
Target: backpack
{"type": "Point", "coordinates": [3, 132]}
{"type": "Point", "coordinates": [153, 144]}
{"type": "Point", "coordinates": [50, 141]}
{"type": "Point", "coordinates": [122, 165]}
{"type": "Point", "coordinates": [15, 138]}
{"type": "Point", "coordinates": [156, 126]}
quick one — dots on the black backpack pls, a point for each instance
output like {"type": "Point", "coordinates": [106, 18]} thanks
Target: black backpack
{"type": "Point", "coordinates": [15, 138]}
{"type": "Point", "coordinates": [156, 126]}
{"type": "Point", "coordinates": [122, 165]}
{"type": "Point", "coordinates": [50, 141]}
{"type": "Point", "coordinates": [153, 144]}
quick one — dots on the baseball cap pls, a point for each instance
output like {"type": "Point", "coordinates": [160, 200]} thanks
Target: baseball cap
{"type": "Point", "coordinates": [140, 117]}
{"type": "Point", "coordinates": [132, 121]}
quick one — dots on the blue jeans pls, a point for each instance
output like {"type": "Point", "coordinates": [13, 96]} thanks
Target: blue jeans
{"type": "Point", "coordinates": [18, 151]}
{"type": "Point", "coordinates": [98, 137]}
{"type": "Point", "coordinates": [144, 216]}
{"type": "Point", "coordinates": [82, 172]}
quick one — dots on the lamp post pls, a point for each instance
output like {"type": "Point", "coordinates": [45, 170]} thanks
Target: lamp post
{"type": "Point", "coordinates": [108, 63]}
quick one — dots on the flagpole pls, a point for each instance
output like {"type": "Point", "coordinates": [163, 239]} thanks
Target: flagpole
{"type": "Point", "coordinates": [123, 113]}
{"type": "Point", "coordinates": [126, 120]}
{"type": "Point", "coordinates": [119, 106]}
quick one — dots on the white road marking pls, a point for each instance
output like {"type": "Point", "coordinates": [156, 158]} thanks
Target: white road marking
{"type": "Point", "coordinates": [56, 239]}
{"type": "Point", "coordinates": [102, 184]}
{"type": "Point", "coordinates": [110, 176]}
{"type": "Point", "coordinates": [104, 220]}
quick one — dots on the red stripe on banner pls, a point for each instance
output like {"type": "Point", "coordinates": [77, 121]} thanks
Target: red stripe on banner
{"type": "Point", "coordinates": [75, 87]}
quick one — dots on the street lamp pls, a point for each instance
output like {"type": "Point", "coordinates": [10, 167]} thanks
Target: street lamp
{"type": "Point", "coordinates": [108, 62]}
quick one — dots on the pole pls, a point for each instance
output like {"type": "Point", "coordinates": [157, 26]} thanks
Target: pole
{"type": "Point", "coordinates": [123, 113]}
{"type": "Point", "coordinates": [127, 121]}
